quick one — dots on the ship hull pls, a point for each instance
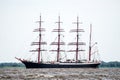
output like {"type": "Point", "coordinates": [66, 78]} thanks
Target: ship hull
{"type": "Point", "coordinates": [60, 65]}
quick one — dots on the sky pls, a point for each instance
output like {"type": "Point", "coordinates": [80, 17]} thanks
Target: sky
{"type": "Point", "coordinates": [18, 19]}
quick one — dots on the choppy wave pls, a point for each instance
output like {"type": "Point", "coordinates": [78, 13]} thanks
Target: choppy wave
{"type": "Point", "coordinates": [60, 74]}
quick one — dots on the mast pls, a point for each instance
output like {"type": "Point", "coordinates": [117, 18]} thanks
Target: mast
{"type": "Point", "coordinates": [58, 52]}
{"type": "Point", "coordinates": [39, 48]}
{"type": "Point", "coordinates": [90, 42]}
{"type": "Point", "coordinates": [58, 43]}
{"type": "Point", "coordinates": [77, 39]}
{"type": "Point", "coordinates": [39, 43]}
{"type": "Point", "coordinates": [77, 43]}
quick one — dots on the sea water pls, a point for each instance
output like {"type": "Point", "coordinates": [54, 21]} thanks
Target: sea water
{"type": "Point", "coordinates": [60, 74]}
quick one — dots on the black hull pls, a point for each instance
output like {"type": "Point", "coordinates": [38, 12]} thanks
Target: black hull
{"type": "Point", "coordinates": [60, 65]}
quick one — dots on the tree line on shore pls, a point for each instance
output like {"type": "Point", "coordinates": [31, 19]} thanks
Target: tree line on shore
{"type": "Point", "coordinates": [10, 64]}
{"type": "Point", "coordinates": [103, 64]}
{"type": "Point", "coordinates": [110, 64]}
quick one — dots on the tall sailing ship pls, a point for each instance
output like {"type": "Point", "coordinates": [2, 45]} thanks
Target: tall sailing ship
{"type": "Point", "coordinates": [68, 63]}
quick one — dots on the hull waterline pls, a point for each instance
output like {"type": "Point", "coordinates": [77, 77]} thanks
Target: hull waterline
{"type": "Point", "coordinates": [60, 65]}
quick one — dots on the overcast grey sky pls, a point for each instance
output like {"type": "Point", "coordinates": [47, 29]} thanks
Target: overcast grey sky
{"type": "Point", "coordinates": [18, 17]}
